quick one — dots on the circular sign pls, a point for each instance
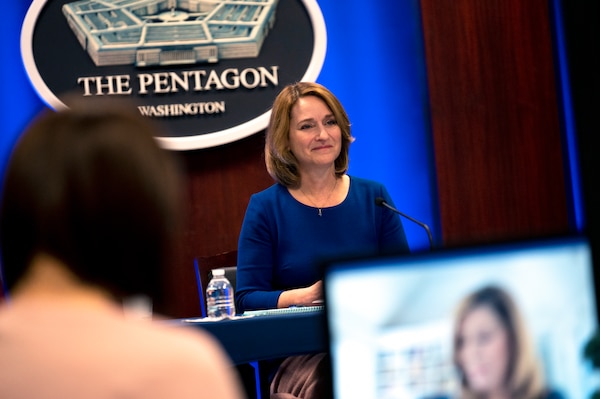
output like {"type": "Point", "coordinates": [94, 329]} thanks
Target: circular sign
{"type": "Point", "coordinates": [208, 71]}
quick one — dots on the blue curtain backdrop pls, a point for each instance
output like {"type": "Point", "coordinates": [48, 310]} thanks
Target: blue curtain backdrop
{"type": "Point", "coordinates": [375, 64]}
{"type": "Point", "coordinates": [18, 102]}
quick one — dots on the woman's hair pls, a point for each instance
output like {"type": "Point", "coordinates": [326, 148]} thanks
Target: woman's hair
{"type": "Point", "coordinates": [90, 187]}
{"type": "Point", "coordinates": [523, 378]}
{"type": "Point", "coordinates": [282, 165]}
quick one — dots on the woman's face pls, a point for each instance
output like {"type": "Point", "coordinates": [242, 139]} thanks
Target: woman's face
{"type": "Point", "coordinates": [315, 137]}
{"type": "Point", "coordinates": [483, 351]}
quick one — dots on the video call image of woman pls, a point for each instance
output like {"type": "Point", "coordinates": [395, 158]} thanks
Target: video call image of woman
{"type": "Point", "coordinates": [493, 352]}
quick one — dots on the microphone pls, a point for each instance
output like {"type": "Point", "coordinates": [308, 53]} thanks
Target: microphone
{"type": "Point", "coordinates": [381, 202]}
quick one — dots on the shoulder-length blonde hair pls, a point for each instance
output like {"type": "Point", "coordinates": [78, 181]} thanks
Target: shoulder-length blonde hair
{"type": "Point", "coordinates": [524, 378]}
{"type": "Point", "coordinates": [281, 164]}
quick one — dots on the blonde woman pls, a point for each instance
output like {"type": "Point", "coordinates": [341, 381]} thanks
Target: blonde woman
{"type": "Point", "coordinates": [493, 353]}
{"type": "Point", "coordinates": [314, 211]}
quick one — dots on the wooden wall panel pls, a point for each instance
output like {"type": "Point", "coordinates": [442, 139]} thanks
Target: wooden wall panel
{"type": "Point", "coordinates": [219, 183]}
{"type": "Point", "coordinates": [495, 121]}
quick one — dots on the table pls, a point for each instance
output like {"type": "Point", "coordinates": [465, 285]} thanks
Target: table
{"type": "Point", "coordinates": [264, 337]}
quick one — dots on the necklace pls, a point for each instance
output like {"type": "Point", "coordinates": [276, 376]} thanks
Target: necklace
{"type": "Point", "coordinates": [320, 208]}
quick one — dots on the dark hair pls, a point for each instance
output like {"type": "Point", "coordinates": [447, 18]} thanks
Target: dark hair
{"type": "Point", "coordinates": [524, 377]}
{"type": "Point", "coordinates": [90, 186]}
{"type": "Point", "coordinates": [280, 161]}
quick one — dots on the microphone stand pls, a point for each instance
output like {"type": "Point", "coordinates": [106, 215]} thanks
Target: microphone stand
{"type": "Point", "coordinates": [381, 202]}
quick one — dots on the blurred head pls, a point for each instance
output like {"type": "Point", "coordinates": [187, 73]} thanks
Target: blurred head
{"type": "Point", "coordinates": [492, 351]}
{"type": "Point", "coordinates": [281, 163]}
{"type": "Point", "coordinates": [90, 187]}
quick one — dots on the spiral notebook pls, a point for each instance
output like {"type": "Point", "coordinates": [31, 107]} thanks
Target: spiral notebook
{"type": "Point", "coordinates": [293, 309]}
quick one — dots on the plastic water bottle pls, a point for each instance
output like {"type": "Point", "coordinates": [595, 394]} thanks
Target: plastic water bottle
{"type": "Point", "coordinates": [219, 296]}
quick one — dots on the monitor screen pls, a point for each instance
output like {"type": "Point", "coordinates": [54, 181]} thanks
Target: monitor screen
{"type": "Point", "coordinates": [427, 325]}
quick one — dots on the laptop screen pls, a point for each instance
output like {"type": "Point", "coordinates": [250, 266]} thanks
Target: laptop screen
{"type": "Point", "coordinates": [408, 326]}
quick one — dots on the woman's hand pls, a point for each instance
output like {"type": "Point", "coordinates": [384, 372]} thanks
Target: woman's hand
{"type": "Point", "coordinates": [306, 296]}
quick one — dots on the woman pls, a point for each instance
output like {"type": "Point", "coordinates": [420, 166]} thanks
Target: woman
{"type": "Point", "coordinates": [88, 219]}
{"type": "Point", "coordinates": [492, 351]}
{"type": "Point", "coordinates": [314, 211]}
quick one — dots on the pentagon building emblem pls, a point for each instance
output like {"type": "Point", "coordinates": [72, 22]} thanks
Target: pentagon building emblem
{"type": "Point", "coordinates": [208, 70]}
{"type": "Point", "coordinates": [159, 32]}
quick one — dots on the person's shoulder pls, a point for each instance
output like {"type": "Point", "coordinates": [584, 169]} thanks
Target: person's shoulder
{"type": "Point", "coordinates": [269, 192]}
{"type": "Point", "coordinates": [177, 341]}
{"type": "Point", "coordinates": [197, 363]}
{"type": "Point", "coordinates": [267, 198]}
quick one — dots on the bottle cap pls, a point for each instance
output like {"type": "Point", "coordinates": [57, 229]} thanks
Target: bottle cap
{"type": "Point", "coordinates": [218, 272]}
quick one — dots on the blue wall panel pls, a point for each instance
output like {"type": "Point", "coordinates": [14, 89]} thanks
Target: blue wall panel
{"type": "Point", "coordinates": [18, 101]}
{"type": "Point", "coordinates": [375, 65]}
